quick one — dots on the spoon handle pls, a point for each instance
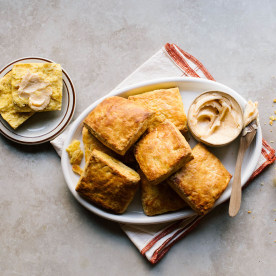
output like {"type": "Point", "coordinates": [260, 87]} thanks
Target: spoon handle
{"type": "Point", "coordinates": [235, 199]}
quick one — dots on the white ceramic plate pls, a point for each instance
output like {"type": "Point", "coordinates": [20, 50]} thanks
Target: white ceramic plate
{"type": "Point", "coordinates": [42, 126]}
{"type": "Point", "coordinates": [189, 89]}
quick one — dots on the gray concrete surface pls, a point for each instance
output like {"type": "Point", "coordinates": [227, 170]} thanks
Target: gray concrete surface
{"type": "Point", "coordinates": [43, 230]}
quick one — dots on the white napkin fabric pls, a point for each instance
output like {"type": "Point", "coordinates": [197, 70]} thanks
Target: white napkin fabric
{"type": "Point", "coordinates": [154, 241]}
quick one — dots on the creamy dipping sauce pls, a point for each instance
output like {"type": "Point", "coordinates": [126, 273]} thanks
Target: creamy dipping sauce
{"type": "Point", "coordinates": [215, 118]}
{"type": "Point", "coordinates": [36, 90]}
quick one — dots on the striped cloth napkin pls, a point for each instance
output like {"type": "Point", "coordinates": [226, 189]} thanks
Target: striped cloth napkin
{"type": "Point", "coordinates": [154, 241]}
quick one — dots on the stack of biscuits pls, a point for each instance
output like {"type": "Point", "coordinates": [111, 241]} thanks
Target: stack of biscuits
{"type": "Point", "coordinates": [140, 141]}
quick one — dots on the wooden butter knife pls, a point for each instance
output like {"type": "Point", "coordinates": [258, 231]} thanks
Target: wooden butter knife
{"type": "Point", "coordinates": [247, 137]}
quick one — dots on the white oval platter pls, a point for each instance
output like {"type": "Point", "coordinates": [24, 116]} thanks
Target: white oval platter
{"type": "Point", "coordinates": [189, 89]}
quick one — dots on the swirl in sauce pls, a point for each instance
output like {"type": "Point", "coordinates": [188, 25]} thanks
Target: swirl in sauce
{"type": "Point", "coordinates": [215, 118]}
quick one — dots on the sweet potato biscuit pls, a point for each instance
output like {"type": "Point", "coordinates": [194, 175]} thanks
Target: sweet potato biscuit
{"type": "Point", "coordinates": [108, 183]}
{"type": "Point", "coordinates": [90, 143]}
{"type": "Point", "coordinates": [14, 119]}
{"type": "Point", "coordinates": [159, 199]}
{"type": "Point", "coordinates": [166, 103]}
{"type": "Point", "coordinates": [202, 181]}
{"type": "Point", "coordinates": [6, 93]}
{"type": "Point", "coordinates": [162, 152]}
{"type": "Point", "coordinates": [118, 123]}
{"type": "Point", "coordinates": [7, 109]}
{"type": "Point", "coordinates": [50, 73]}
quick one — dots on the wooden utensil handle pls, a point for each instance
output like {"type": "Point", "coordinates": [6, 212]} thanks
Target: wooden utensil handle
{"type": "Point", "coordinates": [235, 199]}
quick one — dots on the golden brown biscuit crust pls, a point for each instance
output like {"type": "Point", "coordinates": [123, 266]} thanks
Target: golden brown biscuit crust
{"type": "Point", "coordinates": [118, 123]}
{"type": "Point", "coordinates": [161, 152]}
{"type": "Point", "coordinates": [90, 143]}
{"type": "Point", "coordinates": [166, 103]}
{"type": "Point", "coordinates": [159, 199]}
{"type": "Point", "coordinates": [202, 181]}
{"type": "Point", "coordinates": [107, 182]}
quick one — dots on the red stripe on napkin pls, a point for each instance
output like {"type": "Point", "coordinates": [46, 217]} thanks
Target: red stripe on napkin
{"type": "Point", "coordinates": [181, 233]}
{"type": "Point", "coordinates": [269, 154]}
{"type": "Point", "coordinates": [197, 62]}
{"type": "Point", "coordinates": [165, 232]}
{"type": "Point", "coordinates": [173, 50]}
{"type": "Point", "coordinates": [180, 61]}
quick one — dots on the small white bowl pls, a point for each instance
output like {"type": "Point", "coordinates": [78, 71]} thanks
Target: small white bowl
{"type": "Point", "coordinates": [200, 139]}
{"type": "Point", "coordinates": [42, 126]}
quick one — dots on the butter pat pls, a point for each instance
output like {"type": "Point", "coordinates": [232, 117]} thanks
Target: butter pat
{"type": "Point", "coordinates": [37, 86]}
{"type": "Point", "coordinates": [36, 90]}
